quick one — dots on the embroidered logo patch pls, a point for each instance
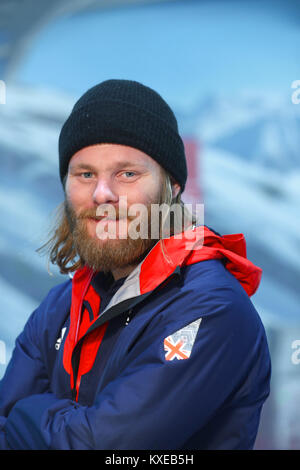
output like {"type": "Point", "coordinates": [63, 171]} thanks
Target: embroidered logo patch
{"type": "Point", "coordinates": [179, 345]}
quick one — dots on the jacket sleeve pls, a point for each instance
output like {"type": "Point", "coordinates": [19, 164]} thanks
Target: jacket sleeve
{"type": "Point", "coordinates": [3, 441]}
{"type": "Point", "coordinates": [26, 373]}
{"type": "Point", "coordinates": [157, 403]}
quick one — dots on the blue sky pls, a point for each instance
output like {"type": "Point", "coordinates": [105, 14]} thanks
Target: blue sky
{"type": "Point", "coordinates": [182, 49]}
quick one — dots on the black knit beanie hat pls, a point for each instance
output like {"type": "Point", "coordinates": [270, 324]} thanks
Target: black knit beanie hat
{"type": "Point", "coordinates": [128, 113]}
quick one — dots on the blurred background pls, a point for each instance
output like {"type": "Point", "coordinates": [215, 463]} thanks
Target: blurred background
{"type": "Point", "coordinates": [229, 70]}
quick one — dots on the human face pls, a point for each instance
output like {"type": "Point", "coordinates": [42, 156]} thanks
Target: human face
{"type": "Point", "coordinates": [108, 174]}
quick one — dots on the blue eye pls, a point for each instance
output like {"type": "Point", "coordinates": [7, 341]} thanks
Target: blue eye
{"type": "Point", "coordinates": [131, 172]}
{"type": "Point", "coordinates": [87, 174]}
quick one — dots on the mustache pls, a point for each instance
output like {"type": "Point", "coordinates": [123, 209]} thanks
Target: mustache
{"type": "Point", "coordinates": [109, 213]}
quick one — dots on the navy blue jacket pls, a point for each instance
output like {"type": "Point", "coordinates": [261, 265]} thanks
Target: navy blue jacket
{"type": "Point", "coordinates": [178, 359]}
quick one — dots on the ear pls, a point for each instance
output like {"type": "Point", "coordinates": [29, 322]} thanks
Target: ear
{"type": "Point", "coordinates": [175, 189]}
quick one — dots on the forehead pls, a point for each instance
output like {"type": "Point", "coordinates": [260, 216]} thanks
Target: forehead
{"type": "Point", "coordinates": [108, 156]}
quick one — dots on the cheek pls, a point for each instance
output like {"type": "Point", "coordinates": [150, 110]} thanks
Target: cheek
{"type": "Point", "coordinates": [138, 198]}
{"type": "Point", "coordinates": [75, 195]}
{"type": "Point", "coordinates": [147, 193]}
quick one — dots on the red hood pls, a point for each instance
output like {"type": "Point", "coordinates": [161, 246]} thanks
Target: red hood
{"type": "Point", "coordinates": [204, 245]}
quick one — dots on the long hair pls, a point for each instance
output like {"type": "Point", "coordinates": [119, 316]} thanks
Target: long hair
{"type": "Point", "coordinates": [60, 245]}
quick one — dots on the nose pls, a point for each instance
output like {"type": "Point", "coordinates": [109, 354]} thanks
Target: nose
{"type": "Point", "coordinates": [104, 193]}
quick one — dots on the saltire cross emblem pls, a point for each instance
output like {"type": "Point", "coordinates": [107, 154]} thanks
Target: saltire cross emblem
{"type": "Point", "coordinates": [179, 345]}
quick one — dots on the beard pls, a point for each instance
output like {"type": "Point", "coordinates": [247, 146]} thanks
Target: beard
{"type": "Point", "coordinates": [107, 254]}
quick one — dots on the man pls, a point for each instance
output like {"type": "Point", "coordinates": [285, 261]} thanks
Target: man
{"type": "Point", "coordinates": [154, 343]}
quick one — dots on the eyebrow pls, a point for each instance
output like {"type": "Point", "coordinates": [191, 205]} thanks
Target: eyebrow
{"type": "Point", "coordinates": [121, 164]}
